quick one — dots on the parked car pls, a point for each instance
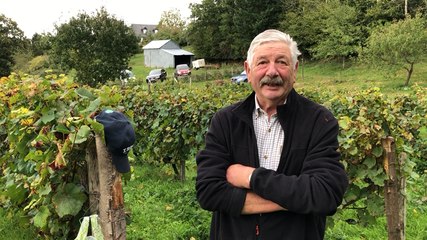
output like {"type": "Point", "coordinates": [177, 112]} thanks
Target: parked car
{"type": "Point", "coordinates": [242, 77]}
{"type": "Point", "coordinates": [182, 70]}
{"type": "Point", "coordinates": [156, 75]}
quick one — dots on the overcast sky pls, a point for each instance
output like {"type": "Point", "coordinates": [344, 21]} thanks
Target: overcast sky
{"type": "Point", "coordinates": [40, 16]}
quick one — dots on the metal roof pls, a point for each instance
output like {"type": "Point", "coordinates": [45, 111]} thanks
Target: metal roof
{"type": "Point", "coordinates": [156, 44]}
{"type": "Point", "coordinates": [178, 52]}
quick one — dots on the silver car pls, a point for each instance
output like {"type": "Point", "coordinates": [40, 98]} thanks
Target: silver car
{"type": "Point", "coordinates": [156, 75]}
{"type": "Point", "coordinates": [242, 77]}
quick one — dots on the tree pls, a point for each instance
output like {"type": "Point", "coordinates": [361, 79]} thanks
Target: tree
{"type": "Point", "coordinates": [11, 41]}
{"type": "Point", "coordinates": [251, 17]}
{"type": "Point", "coordinates": [98, 47]}
{"type": "Point", "coordinates": [171, 26]}
{"type": "Point", "coordinates": [323, 29]}
{"type": "Point", "coordinates": [222, 30]}
{"type": "Point", "coordinates": [204, 31]}
{"type": "Point", "coordinates": [41, 44]}
{"type": "Point", "coordinates": [400, 44]}
{"type": "Point", "coordinates": [339, 36]}
{"type": "Point", "coordinates": [301, 22]}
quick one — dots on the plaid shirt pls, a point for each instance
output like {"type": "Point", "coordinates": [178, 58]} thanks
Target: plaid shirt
{"type": "Point", "coordinates": [269, 135]}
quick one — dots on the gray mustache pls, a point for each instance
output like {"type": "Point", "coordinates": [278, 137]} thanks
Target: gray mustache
{"type": "Point", "coordinates": [271, 81]}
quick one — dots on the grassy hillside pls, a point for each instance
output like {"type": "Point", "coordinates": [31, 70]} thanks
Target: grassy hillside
{"type": "Point", "coordinates": [334, 77]}
{"type": "Point", "coordinates": [325, 76]}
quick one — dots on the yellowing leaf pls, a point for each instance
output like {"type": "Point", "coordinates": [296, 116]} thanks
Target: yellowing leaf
{"type": "Point", "coordinates": [27, 121]}
{"type": "Point", "coordinates": [344, 122]}
{"type": "Point", "coordinates": [168, 207]}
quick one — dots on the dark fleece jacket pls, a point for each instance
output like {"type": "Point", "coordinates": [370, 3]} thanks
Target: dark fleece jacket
{"type": "Point", "coordinates": [310, 181]}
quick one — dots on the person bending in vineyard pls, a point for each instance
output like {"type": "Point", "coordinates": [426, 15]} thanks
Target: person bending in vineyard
{"type": "Point", "coordinates": [270, 168]}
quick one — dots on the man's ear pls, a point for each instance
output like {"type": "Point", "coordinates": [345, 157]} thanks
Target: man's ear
{"type": "Point", "coordinates": [295, 71]}
{"type": "Point", "coordinates": [247, 70]}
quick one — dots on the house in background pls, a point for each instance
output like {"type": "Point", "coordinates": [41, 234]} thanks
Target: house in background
{"type": "Point", "coordinates": [142, 31]}
{"type": "Point", "coordinates": [165, 54]}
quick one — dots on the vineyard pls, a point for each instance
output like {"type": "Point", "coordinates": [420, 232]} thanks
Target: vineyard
{"type": "Point", "coordinates": [47, 123]}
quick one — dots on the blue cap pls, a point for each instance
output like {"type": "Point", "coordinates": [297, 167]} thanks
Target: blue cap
{"type": "Point", "coordinates": [119, 137]}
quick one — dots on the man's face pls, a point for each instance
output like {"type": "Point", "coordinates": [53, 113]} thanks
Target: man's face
{"type": "Point", "coordinates": [272, 74]}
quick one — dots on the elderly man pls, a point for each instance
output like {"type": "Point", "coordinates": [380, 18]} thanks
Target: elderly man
{"type": "Point", "coordinates": [270, 168]}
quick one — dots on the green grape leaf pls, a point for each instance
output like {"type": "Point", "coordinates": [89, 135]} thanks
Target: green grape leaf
{"type": "Point", "coordinates": [369, 162]}
{"type": "Point", "coordinates": [377, 151]}
{"type": "Point", "coordinates": [62, 128]}
{"type": "Point", "coordinates": [40, 219]}
{"type": "Point", "coordinates": [84, 93]}
{"type": "Point", "coordinates": [69, 200]}
{"type": "Point", "coordinates": [48, 115]}
{"type": "Point", "coordinates": [45, 190]}
{"type": "Point", "coordinates": [82, 134]}
{"type": "Point", "coordinates": [423, 133]}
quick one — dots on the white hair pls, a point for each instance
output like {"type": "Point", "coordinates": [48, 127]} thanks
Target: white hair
{"type": "Point", "coordinates": [272, 35]}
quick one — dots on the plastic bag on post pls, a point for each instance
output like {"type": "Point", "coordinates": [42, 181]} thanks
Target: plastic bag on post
{"type": "Point", "coordinates": [95, 228]}
{"type": "Point", "coordinates": [84, 227]}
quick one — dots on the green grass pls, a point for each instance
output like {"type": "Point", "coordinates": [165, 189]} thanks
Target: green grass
{"type": "Point", "coordinates": [416, 219]}
{"type": "Point", "coordinates": [161, 207]}
{"type": "Point", "coordinates": [330, 76]}
{"type": "Point", "coordinates": [15, 226]}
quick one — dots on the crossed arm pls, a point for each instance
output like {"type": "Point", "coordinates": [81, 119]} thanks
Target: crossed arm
{"type": "Point", "coordinates": [239, 176]}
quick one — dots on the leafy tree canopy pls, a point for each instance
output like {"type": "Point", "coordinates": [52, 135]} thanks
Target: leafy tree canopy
{"type": "Point", "coordinates": [339, 33]}
{"type": "Point", "coordinates": [400, 44]}
{"type": "Point", "coordinates": [11, 40]}
{"type": "Point", "coordinates": [41, 44]}
{"type": "Point", "coordinates": [171, 26]}
{"type": "Point", "coordinates": [98, 47]}
{"type": "Point", "coordinates": [223, 29]}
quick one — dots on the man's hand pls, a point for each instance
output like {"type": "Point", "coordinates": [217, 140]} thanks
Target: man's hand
{"type": "Point", "coordinates": [238, 175]}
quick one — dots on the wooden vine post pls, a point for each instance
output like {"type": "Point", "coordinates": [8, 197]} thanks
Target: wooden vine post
{"type": "Point", "coordinates": [394, 191]}
{"type": "Point", "coordinates": [105, 191]}
{"type": "Point", "coordinates": [93, 178]}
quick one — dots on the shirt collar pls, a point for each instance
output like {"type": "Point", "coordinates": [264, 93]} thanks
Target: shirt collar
{"type": "Point", "coordinates": [258, 110]}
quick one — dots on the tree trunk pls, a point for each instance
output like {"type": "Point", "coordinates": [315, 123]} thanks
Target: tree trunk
{"type": "Point", "coordinates": [182, 164]}
{"type": "Point", "coordinates": [408, 77]}
{"type": "Point", "coordinates": [93, 177]}
{"type": "Point", "coordinates": [393, 193]}
{"type": "Point", "coordinates": [406, 7]}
